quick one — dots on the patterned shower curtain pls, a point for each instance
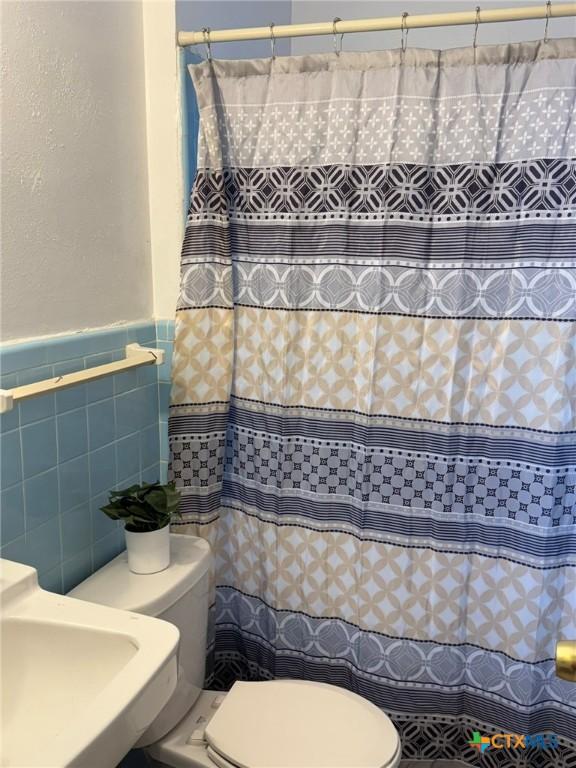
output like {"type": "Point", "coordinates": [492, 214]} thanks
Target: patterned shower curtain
{"type": "Point", "coordinates": [374, 382]}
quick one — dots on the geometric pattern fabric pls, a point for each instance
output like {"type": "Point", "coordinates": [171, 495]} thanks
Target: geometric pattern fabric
{"type": "Point", "coordinates": [372, 416]}
{"type": "Point", "coordinates": [407, 367]}
{"type": "Point", "coordinates": [490, 192]}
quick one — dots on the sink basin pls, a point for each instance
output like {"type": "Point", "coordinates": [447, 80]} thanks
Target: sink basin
{"type": "Point", "coordinates": [80, 682]}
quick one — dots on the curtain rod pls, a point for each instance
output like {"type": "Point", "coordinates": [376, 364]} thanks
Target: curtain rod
{"type": "Point", "coordinates": [376, 25]}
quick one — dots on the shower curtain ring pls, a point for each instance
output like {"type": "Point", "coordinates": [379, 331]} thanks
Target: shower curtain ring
{"type": "Point", "coordinates": [206, 36]}
{"type": "Point", "coordinates": [476, 25]}
{"type": "Point", "coordinates": [404, 31]}
{"type": "Point", "coordinates": [337, 50]}
{"type": "Point", "coordinates": [272, 41]}
{"type": "Point", "coordinates": [548, 15]}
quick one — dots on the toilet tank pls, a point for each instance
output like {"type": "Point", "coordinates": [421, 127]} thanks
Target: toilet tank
{"type": "Point", "coordinates": [179, 595]}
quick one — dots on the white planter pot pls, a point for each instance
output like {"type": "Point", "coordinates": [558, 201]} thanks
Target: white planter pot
{"type": "Point", "coordinates": [148, 552]}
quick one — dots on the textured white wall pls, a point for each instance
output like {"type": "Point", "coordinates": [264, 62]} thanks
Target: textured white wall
{"type": "Point", "coordinates": [75, 222]}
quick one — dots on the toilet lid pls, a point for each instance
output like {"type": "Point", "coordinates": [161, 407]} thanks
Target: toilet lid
{"type": "Point", "coordinates": [300, 724]}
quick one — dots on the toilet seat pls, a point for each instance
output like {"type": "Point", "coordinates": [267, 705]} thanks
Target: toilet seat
{"type": "Point", "coordinates": [299, 724]}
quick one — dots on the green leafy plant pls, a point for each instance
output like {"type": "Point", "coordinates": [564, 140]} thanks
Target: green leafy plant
{"type": "Point", "coordinates": [144, 508]}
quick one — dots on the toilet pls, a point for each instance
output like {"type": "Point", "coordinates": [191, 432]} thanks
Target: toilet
{"type": "Point", "coordinates": [271, 724]}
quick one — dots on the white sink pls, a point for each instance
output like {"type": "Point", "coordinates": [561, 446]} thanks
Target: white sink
{"type": "Point", "coordinates": [80, 682]}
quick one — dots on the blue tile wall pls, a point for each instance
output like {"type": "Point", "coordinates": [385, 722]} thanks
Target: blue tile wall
{"type": "Point", "coordinates": [61, 453]}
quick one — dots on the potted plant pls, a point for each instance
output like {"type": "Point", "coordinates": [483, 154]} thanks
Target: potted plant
{"type": "Point", "coordinates": [146, 510]}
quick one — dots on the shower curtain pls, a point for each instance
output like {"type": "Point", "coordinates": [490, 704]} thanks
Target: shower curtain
{"type": "Point", "coordinates": [374, 383]}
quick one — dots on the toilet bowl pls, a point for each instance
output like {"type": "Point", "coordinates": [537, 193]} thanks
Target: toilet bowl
{"type": "Point", "coordinates": [270, 724]}
{"type": "Point", "coordinates": [281, 724]}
